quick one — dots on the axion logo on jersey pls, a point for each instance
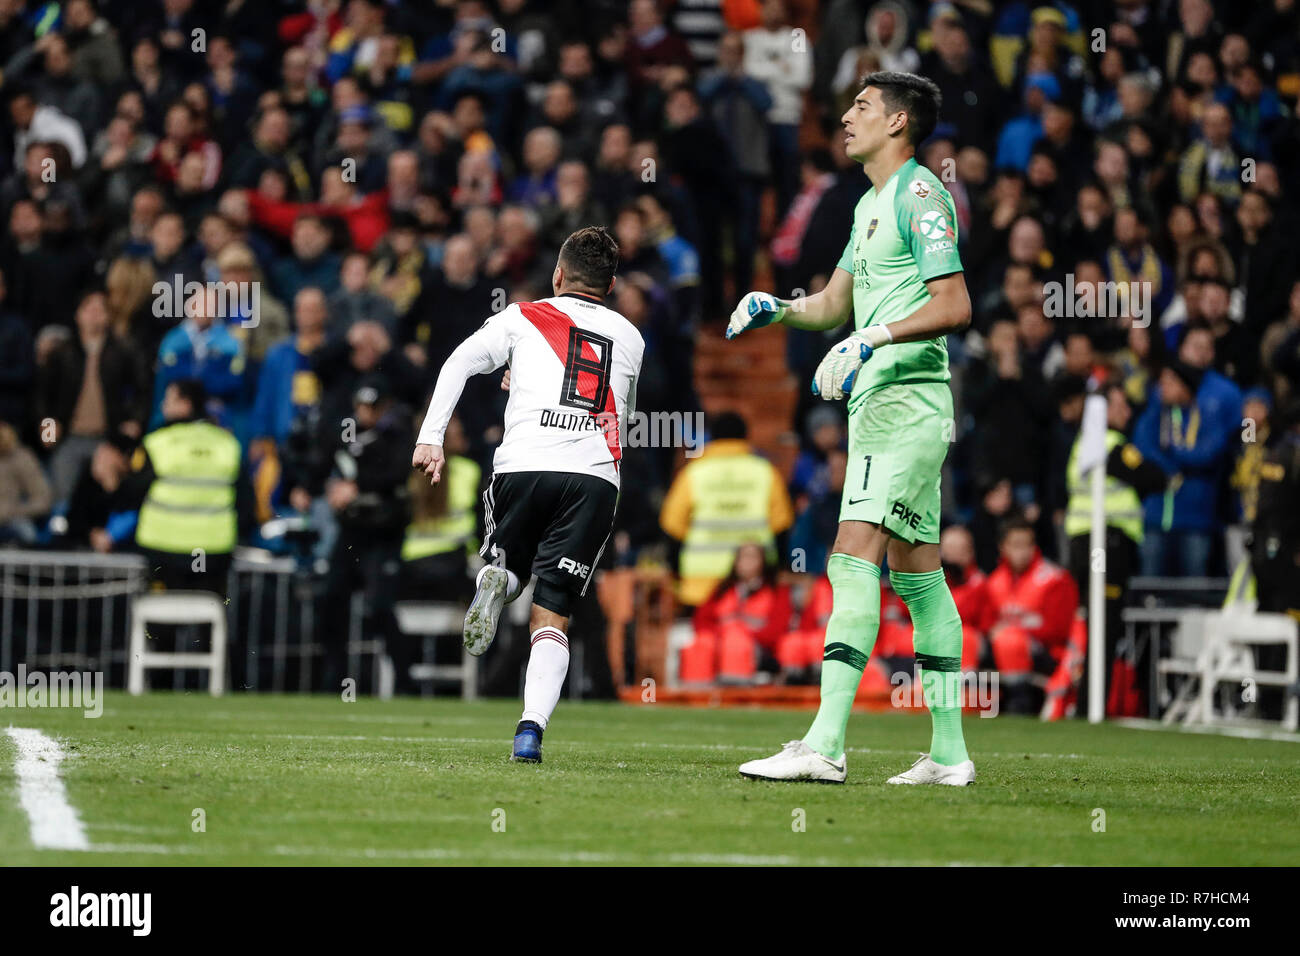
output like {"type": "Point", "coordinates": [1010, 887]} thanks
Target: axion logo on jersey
{"type": "Point", "coordinates": [933, 225]}
{"type": "Point", "coordinates": [573, 567]}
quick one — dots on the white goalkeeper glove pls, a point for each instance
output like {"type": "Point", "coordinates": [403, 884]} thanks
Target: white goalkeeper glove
{"type": "Point", "coordinates": [835, 375]}
{"type": "Point", "coordinates": [755, 310]}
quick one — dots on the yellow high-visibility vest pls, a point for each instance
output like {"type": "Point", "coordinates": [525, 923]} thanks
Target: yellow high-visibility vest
{"type": "Point", "coordinates": [456, 528]}
{"type": "Point", "coordinates": [1123, 506]}
{"type": "Point", "coordinates": [730, 506]}
{"type": "Point", "coordinates": [191, 503]}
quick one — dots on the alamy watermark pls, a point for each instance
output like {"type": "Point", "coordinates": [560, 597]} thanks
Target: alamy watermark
{"type": "Point", "coordinates": [1089, 300]}
{"type": "Point", "coordinates": [976, 690]}
{"type": "Point", "coordinates": [643, 429]}
{"type": "Point", "coordinates": [76, 690]}
{"type": "Point", "coordinates": [179, 299]}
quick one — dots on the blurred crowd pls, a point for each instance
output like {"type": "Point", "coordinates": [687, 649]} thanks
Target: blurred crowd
{"type": "Point", "coordinates": [284, 214]}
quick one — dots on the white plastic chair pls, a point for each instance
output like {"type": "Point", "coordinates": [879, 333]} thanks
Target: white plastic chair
{"type": "Point", "coordinates": [1227, 658]}
{"type": "Point", "coordinates": [436, 619]}
{"type": "Point", "coordinates": [178, 607]}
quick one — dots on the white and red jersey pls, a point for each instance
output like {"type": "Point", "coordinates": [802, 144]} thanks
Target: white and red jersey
{"type": "Point", "coordinates": [573, 371]}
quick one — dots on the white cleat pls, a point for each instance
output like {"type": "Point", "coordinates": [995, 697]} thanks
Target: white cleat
{"type": "Point", "coordinates": [926, 770]}
{"type": "Point", "coordinates": [796, 761]}
{"type": "Point", "coordinates": [485, 610]}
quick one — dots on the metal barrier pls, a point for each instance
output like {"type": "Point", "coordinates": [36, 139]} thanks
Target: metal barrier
{"type": "Point", "coordinates": [70, 610]}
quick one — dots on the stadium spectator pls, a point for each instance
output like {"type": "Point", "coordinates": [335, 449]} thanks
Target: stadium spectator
{"type": "Point", "coordinates": [781, 59]}
{"type": "Point", "coordinates": [727, 497]}
{"type": "Point", "coordinates": [1275, 549]}
{"type": "Point", "coordinates": [969, 587]}
{"type": "Point", "coordinates": [1003, 392]}
{"type": "Point", "coordinates": [814, 528]}
{"type": "Point", "coordinates": [267, 320]}
{"type": "Point", "coordinates": [1028, 616]}
{"type": "Point", "coordinates": [24, 492]}
{"type": "Point", "coordinates": [36, 122]}
{"type": "Point", "coordinates": [92, 388]}
{"type": "Point", "coordinates": [737, 629]}
{"type": "Point", "coordinates": [287, 386]}
{"type": "Point", "coordinates": [799, 651]}
{"type": "Point", "coordinates": [370, 500]}
{"type": "Point", "coordinates": [737, 105]}
{"type": "Point", "coordinates": [201, 347]}
{"type": "Point", "coordinates": [99, 514]}
{"type": "Point", "coordinates": [355, 300]}
{"type": "Point", "coordinates": [18, 367]}
{"type": "Point", "coordinates": [311, 263]}
{"type": "Point", "coordinates": [1186, 430]}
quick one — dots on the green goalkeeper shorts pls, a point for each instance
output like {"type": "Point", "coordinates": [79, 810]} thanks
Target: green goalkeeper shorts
{"type": "Point", "coordinates": [898, 439]}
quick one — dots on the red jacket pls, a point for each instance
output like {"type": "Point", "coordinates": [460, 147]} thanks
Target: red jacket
{"type": "Point", "coordinates": [367, 218]}
{"type": "Point", "coordinates": [764, 613]}
{"type": "Point", "coordinates": [971, 596]}
{"type": "Point", "coordinates": [1042, 600]}
{"type": "Point", "coordinates": [817, 606]}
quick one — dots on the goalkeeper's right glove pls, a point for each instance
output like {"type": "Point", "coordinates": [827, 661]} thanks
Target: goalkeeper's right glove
{"type": "Point", "coordinates": [756, 310]}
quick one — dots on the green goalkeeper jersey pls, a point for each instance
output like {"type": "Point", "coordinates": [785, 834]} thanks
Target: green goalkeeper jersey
{"type": "Point", "coordinates": [904, 234]}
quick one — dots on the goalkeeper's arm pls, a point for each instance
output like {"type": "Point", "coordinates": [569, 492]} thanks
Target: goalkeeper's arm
{"type": "Point", "coordinates": [831, 307]}
{"type": "Point", "coordinates": [827, 309]}
{"type": "Point", "coordinates": [948, 310]}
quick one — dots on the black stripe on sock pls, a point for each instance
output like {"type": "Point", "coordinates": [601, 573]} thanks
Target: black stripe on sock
{"type": "Point", "coordinates": [930, 662]}
{"type": "Point", "coordinates": [845, 655]}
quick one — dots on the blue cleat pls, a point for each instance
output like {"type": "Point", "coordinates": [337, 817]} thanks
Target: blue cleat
{"type": "Point", "coordinates": [528, 743]}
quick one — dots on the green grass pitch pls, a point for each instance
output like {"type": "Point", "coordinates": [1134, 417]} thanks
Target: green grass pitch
{"type": "Point", "coordinates": [315, 780]}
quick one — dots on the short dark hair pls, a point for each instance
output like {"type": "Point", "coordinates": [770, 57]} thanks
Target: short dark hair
{"type": "Point", "coordinates": [1012, 523]}
{"type": "Point", "coordinates": [727, 425]}
{"type": "Point", "coordinates": [589, 258]}
{"type": "Point", "coordinates": [192, 390]}
{"type": "Point", "coordinates": [914, 95]}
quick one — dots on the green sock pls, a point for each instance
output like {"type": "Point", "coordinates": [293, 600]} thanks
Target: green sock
{"type": "Point", "coordinates": [850, 636]}
{"type": "Point", "coordinates": [936, 637]}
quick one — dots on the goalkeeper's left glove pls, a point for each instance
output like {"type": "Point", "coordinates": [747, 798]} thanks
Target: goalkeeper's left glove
{"type": "Point", "coordinates": [835, 375]}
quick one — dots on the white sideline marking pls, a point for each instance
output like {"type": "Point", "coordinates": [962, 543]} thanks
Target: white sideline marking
{"type": "Point", "coordinates": [1213, 730]}
{"type": "Point", "coordinates": [54, 823]}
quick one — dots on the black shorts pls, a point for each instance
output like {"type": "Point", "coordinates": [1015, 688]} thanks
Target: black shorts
{"type": "Point", "coordinates": [550, 523]}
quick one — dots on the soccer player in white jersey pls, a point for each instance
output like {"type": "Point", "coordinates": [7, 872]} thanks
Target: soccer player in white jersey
{"type": "Point", "coordinates": [573, 366]}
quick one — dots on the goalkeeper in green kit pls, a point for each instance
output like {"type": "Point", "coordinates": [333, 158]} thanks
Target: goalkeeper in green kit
{"type": "Point", "coordinates": [900, 280]}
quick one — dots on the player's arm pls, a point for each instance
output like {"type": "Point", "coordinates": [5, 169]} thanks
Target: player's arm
{"type": "Point", "coordinates": [485, 351]}
{"type": "Point", "coordinates": [947, 311]}
{"type": "Point", "coordinates": [827, 309]}
{"type": "Point", "coordinates": [831, 307]}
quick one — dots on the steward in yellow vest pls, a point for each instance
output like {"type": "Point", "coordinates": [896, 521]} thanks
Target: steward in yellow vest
{"type": "Point", "coordinates": [187, 476]}
{"type": "Point", "coordinates": [727, 497]}
{"type": "Point", "coordinates": [451, 528]}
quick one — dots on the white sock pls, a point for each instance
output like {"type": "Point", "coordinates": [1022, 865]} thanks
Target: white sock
{"type": "Point", "coordinates": [548, 662]}
{"type": "Point", "coordinates": [512, 582]}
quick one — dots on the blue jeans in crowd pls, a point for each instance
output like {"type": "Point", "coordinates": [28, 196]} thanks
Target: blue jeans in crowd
{"type": "Point", "coordinates": [1177, 553]}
